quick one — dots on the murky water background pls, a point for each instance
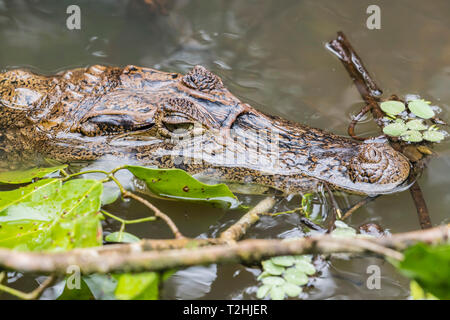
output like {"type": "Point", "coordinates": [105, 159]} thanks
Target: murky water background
{"type": "Point", "coordinates": [271, 54]}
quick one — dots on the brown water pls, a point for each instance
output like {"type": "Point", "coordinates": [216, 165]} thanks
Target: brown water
{"type": "Point", "coordinates": [271, 54]}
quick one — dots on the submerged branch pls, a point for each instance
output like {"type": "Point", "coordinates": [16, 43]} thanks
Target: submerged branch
{"type": "Point", "coordinates": [237, 230]}
{"type": "Point", "coordinates": [358, 205]}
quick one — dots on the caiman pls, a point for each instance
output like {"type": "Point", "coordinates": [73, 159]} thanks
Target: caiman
{"type": "Point", "coordinates": [186, 121]}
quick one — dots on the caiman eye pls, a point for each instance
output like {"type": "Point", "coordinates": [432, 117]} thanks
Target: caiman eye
{"type": "Point", "coordinates": [107, 124]}
{"type": "Point", "coordinates": [177, 124]}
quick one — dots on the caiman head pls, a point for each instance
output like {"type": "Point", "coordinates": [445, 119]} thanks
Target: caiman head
{"type": "Point", "coordinates": [187, 121]}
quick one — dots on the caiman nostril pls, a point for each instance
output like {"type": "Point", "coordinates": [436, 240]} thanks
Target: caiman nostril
{"type": "Point", "coordinates": [378, 163]}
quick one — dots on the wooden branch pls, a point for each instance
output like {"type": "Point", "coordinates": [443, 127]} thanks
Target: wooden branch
{"type": "Point", "coordinates": [237, 230]}
{"type": "Point", "coordinates": [371, 93]}
{"type": "Point", "coordinates": [101, 260]}
{"type": "Point", "coordinates": [358, 205]}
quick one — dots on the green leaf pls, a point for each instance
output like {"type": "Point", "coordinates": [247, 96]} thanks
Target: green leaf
{"type": "Point", "coordinates": [263, 291]}
{"type": "Point", "coordinates": [273, 281]}
{"type": "Point", "coordinates": [295, 276]}
{"type": "Point", "coordinates": [285, 261]}
{"type": "Point", "coordinates": [392, 107]}
{"type": "Point", "coordinates": [123, 237]}
{"type": "Point", "coordinates": [83, 293]}
{"type": "Point", "coordinates": [271, 268]}
{"type": "Point", "coordinates": [416, 124]}
{"type": "Point", "coordinates": [303, 257]}
{"type": "Point", "coordinates": [412, 136]}
{"type": "Point", "coordinates": [177, 184]}
{"type": "Point", "coordinates": [277, 293]}
{"type": "Point", "coordinates": [102, 286]}
{"type": "Point", "coordinates": [340, 224]}
{"type": "Point", "coordinates": [24, 176]}
{"type": "Point", "coordinates": [395, 129]}
{"type": "Point", "coordinates": [167, 274]}
{"type": "Point", "coordinates": [291, 289]}
{"type": "Point", "coordinates": [429, 266]}
{"type": "Point", "coordinates": [421, 109]}
{"type": "Point", "coordinates": [110, 194]}
{"type": "Point", "coordinates": [141, 286]}
{"type": "Point", "coordinates": [307, 204]}
{"type": "Point", "coordinates": [433, 136]}
{"type": "Point", "coordinates": [47, 215]}
{"type": "Point", "coordinates": [344, 232]}
{"type": "Point", "coordinates": [305, 267]}
{"type": "Point", "coordinates": [417, 293]}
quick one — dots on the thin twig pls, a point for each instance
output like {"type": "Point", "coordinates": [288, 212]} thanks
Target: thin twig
{"type": "Point", "coordinates": [336, 212]}
{"type": "Point", "coordinates": [355, 120]}
{"type": "Point", "coordinates": [358, 205]}
{"type": "Point", "coordinates": [157, 212]}
{"type": "Point", "coordinates": [237, 230]}
{"type": "Point", "coordinates": [35, 294]}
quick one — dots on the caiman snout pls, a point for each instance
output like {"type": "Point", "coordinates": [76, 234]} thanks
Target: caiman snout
{"type": "Point", "coordinates": [378, 163]}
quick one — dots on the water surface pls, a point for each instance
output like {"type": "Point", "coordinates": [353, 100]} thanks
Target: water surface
{"type": "Point", "coordinates": [271, 54]}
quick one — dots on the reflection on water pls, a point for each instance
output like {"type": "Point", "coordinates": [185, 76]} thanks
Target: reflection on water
{"type": "Point", "coordinates": [270, 54]}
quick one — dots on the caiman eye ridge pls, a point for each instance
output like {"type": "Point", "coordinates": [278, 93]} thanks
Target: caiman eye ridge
{"type": "Point", "coordinates": [199, 78]}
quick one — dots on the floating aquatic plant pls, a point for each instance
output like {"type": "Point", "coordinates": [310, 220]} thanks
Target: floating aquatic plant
{"type": "Point", "coordinates": [410, 122]}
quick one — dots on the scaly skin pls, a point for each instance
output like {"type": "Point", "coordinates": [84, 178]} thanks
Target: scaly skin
{"type": "Point", "coordinates": [187, 121]}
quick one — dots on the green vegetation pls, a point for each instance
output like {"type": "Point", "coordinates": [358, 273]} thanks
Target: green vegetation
{"type": "Point", "coordinates": [410, 122]}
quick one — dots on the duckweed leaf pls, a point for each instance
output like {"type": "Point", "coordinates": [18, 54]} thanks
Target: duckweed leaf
{"type": "Point", "coordinates": [433, 136]}
{"type": "Point", "coordinates": [295, 276]}
{"type": "Point", "coordinates": [263, 291]}
{"type": "Point", "coordinates": [273, 281]}
{"type": "Point", "coordinates": [412, 136]}
{"type": "Point", "coordinates": [271, 268]}
{"type": "Point", "coordinates": [47, 215]}
{"type": "Point", "coordinates": [292, 290]}
{"type": "Point", "coordinates": [305, 267]}
{"type": "Point", "coordinates": [277, 293]}
{"type": "Point", "coordinates": [123, 237]}
{"type": "Point", "coordinates": [421, 109]}
{"type": "Point", "coordinates": [392, 107]}
{"type": "Point", "coordinates": [395, 129]}
{"type": "Point", "coordinates": [340, 224]}
{"type": "Point", "coordinates": [285, 261]}
{"type": "Point", "coordinates": [345, 232]}
{"type": "Point", "coordinates": [24, 176]}
{"type": "Point", "coordinates": [416, 124]}
{"type": "Point", "coordinates": [141, 286]}
{"type": "Point", "coordinates": [179, 185]}
{"type": "Point", "coordinates": [304, 257]}
{"type": "Point", "coordinates": [263, 275]}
